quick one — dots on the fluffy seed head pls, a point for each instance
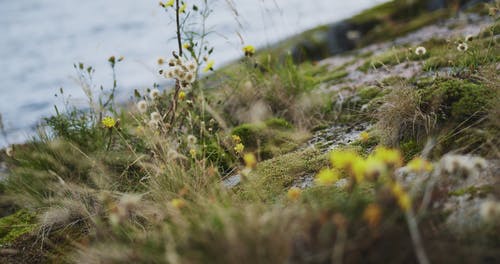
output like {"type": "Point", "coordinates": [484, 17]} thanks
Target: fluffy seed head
{"type": "Point", "coordinates": [155, 116]}
{"type": "Point", "coordinates": [462, 47]}
{"type": "Point", "coordinates": [420, 51]}
{"type": "Point", "coordinates": [154, 94]}
{"type": "Point", "coordinates": [142, 106]}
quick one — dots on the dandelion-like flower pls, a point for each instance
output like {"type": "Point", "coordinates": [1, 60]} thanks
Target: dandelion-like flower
{"type": "Point", "coordinates": [142, 106]}
{"type": "Point", "coordinates": [182, 9]}
{"type": "Point", "coordinates": [191, 140]}
{"type": "Point", "coordinates": [249, 50]}
{"type": "Point", "coordinates": [108, 122]}
{"type": "Point", "coordinates": [239, 148]}
{"type": "Point", "coordinates": [236, 139]}
{"type": "Point", "coordinates": [170, 3]}
{"type": "Point", "coordinates": [209, 66]}
{"type": "Point", "coordinates": [326, 177]}
{"type": "Point", "coordinates": [462, 47]}
{"type": "Point", "coordinates": [293, 193]}
{"type": "Point", "coordinates": [153, 124]}
{"type": "Point", "coordinates": [182, 95]}
{"type": "Point", "coordinates": [155, 116]}
{"type": "Point", "coordinates": [364, 136]}
{"type": "Point", "coordinates": [192, 152]}
{"type": "Point", "coordinates": [489, 210]}
{"type": "Point", "coordinates": [402, 197]}
{"type": "Point", "coordinates": [177, 203]}
{"type": "Point", "coordinates": [9, 151]}
{"type": "Point", "coordinates": [420, 51]}
{"type": "Point", "coordinates": [419, 165]}
{"type": "Point", "coordinates": [154, 94]}
{"type": "Point", "coordinates": [250, 160]}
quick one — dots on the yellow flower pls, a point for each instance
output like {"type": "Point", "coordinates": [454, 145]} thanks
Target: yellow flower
{"type": "Point", "coordinates": [108, 122]}
{"type": "Point", "coordinates": [419, 164]}
{"type": "Point", "coordinates": [182, 9]}
{"type": "Point", "coordinates": [178, 203]}
{"type": "Point", "coordinates": [326, 177]}
{"type": "Point", "coordinates": [402, 197]}
{"type": "Point", "coordinates": [192, 152]}
{"type": "Point", "coordinates": [250, 160]}
{"type": "Point", "coordinates": [391, 157]}
{"type": "Point", "coordinates": [182, 95]}
{"type": "Point", "coordinates": [249, 50]}
{"type": "Point", "coordinates": [239, 148]}
{"type": "Point", "coordinates": [374, 168]}
{"type": "Point", "coordinates": [372, 215]}
{"type": "Point", "coordinates": [358, 169]}
{"type": "Point", "coordinates": [186, 45]}
{"type": "Point", "coordinates": [236, 139]}
{"type": "Point", "coordinates": [209, 66]}
{"type": "Point", "coordinates": [293, 193]}
{"type": "Point", "coordinates": [170, 3]}
{"type": "Point", "coordinates": [364, 136]}
{"type": "Point", "coordinates": [343, 159]}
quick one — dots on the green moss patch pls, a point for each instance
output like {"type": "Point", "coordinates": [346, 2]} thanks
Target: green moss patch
{"type": "Point", "coordinates": [15, 226]}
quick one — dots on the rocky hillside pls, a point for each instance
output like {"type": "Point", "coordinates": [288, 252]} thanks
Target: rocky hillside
{"type": "Point", "coordinates": [372, 140]}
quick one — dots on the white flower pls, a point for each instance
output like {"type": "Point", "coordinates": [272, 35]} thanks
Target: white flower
{"type": "Point", "coordinates": [469, 38]}
{"type": "Point", "coordinates": [142, 106]}
{"type": "Point", "coordinates": [462, 47]}
{"type": "Point", "coordinates": [154, 94]}
{"type": "Point", "coordinates": [420, 51]}
{"type": "Point", "coordinates": [9, 151]}
{"type": "Point", "coordinates": [192, 66]}
{"type": "Point", "coordinates": [191, 140]}
{"type": "Point", "coordinates": [155, 116]}
{"type": "Point", "coordinates": [489, 210]}
{"type": "Point", "coordinates": [153, 124]}
{"type": "Point", "coordinates": [190, 77]}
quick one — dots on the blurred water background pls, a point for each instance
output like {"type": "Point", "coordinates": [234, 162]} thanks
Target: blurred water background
{"type": "Point", "coordinates": [42, 39]}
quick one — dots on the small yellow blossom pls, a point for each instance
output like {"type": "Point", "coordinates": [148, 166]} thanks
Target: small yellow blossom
{"type": "Point", "coordinates": [402, 197]}
{"type": "Point", "coordinates": [236, 139]}
{"type": "Point", "coordinates": [326, 177]}
{"type": "Point", "coordinates": [170, 3]}
{"type": "Point", "coordinates": [419, 164]}
{"type": "Point", "coordinates": [178, 203]}
{"type": "Point", "coordinates": [358, 169]}
{"type": "Point", "coordinates": [391, 157]}
{"type": "Point", "coordinates": [250, 160]}
{"type": "Point", "coordinates": [293, 193]}
{"type": "Point", "coordinates": [372, 215]}
{"type": "Point", "coordinates": [364, 136]}
{"type": "Point", "coordinates": [108, 122]}
{"type": "Point", "coordinates": [249, 50]}
{"type": "Point", "coordinates": [209, 66]}
{"type": "Point", "coordinates": [343, 159]}
{"type": "Point", "coordinates": [182, 9]}
{"type": "Point", "coordinates": [186, 45]}
{"type": "Point", "coordinates": [374, 168]}
{"type": "Point", "coordinates": [182, 95]}
{"type": "Point", "coordinates": [192, 152]}
{"type": "Point", "coordinates": [239, 148]}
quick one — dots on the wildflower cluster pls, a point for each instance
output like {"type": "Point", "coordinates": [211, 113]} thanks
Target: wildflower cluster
{"type": "Point", "coordinates": [182, 70]}
{"type": "Point", "coordinates": [380, 164]}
